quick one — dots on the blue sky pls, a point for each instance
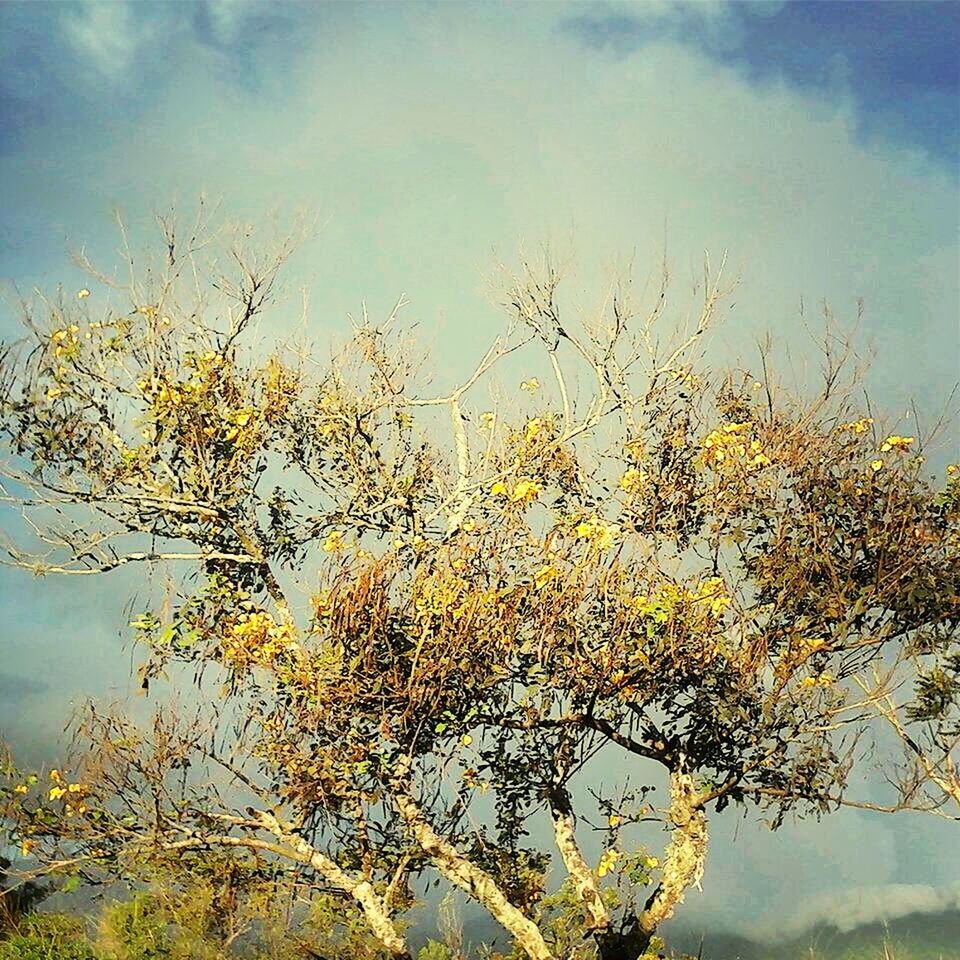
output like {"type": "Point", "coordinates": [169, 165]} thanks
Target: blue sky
{"type": "Point", "coordinates": [816, 142]}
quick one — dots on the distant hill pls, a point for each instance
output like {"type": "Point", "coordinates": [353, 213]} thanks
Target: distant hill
{"type": "Point", "coordinates": [914, 937]}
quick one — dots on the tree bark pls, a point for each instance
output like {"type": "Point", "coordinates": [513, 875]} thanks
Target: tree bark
{"type": "Point", "coordinates": [583, 878]}
{"type": "Point", "coordinates": [684, 857]}
{"type": "Point", "coordinates": [374, 907]}
{"type": "Point", "coordinates": [471, 879]}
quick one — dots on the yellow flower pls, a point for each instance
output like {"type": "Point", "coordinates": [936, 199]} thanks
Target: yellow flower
{"type": "Point", "coordinates": [526, 489]}
{"type": "Point", "coordinates": [858, 426]}
{"type": "Point", "coordinates": [499, 488]}
{"type": "Point", "coordinates": [632, 480]}
{"type": "Point", "coordinates": [896, 442]}
{"type": "Point", "coordinates": [727, 445]}
{"type": "Point", "coordinates": [545, 575]}
{"type": "Point", "coordinates": [21, 788]}
{"type": "Point", "coordinates": [57, 792]}
{"type": "Point", "coordinates": [532, 428]}
{"type": "Point", "coordinates": [466, 739]}
{"type": "Point", "coordinates": [636, 447]}
{"type": "Point", "coordinates": [27, 847]}
{"type": "Point", "coordinates": [83, 294]}
{"type": "Point", "coordinates": [712, 591]}
{"type": "Point", "coordinates": [876, 465]}
{"type": "Point", "coordinates": [600, 534]}
{"type": "Point", "coordinates": [531, 385]}
{"type": "Point", "coordinates": [333, 542]}
{"type": "Point", "coordinates": [607, 862]}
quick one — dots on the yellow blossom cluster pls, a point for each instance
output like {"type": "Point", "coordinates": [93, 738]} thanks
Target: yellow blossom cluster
{"type": "Point", "coordinates": [821, 680]}
{"type": "Point", "coordinates": [608, 861]}
{"type": "Point", "coordinates": [525, 490]}
{"type": "Point", "coordinates": [536, 427]}
{"type": "Point", "coordinates": [451, 595]}
{"type": "Point", "coordinates": [66, 343]}
{"type": "Point", "coordinates": [710, 596]}
{"type": "Point", "coordinates": [599, 534]}
{"type": "Point", "coordinates": [333, 542]}
{"type": "Point", "coordinates": [73, 792]}
{"type": "Point", "coordinates": [896, 442]}
{"type": "Point", "coordinates": [199, 396]}
{"type": "Point", "coordinates": [635, 448]}
{"type": "Point", "coordinates": [256, 639]}
{"type": "Point", "coordinates": [237, 420]}
{"type": "Point", "coordinates": [858, 426]}
{"type": "Point", "coordinates": [712, 592]}
{"type": "Point", "coordinates": [545, 575]}
{"type": "Point", "coordinates": [532, 428]}
{"type": "Point", "coordinates": [206, 364]}
{"type": "Point", "coordinates": [731, 444]}
{"type": "Point", "coordinates": [633, 480]}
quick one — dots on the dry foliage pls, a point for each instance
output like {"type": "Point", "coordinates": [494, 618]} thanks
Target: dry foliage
{"type": "Point", "coordinates": [414, 617]}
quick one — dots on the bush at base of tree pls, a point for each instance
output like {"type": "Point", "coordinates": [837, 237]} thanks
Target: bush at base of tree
{"type": "Point", "coordinates": [48, 937]}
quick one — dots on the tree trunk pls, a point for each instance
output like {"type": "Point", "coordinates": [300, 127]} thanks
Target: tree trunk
{"type": "Point", "coordinates": [682, 867]}
{"type": "Point", "coordinates": [375, 910]}
{"type": "Point", "coordinates": [472, 879]}
{"type": "Point", "coordinates": [583, 878]}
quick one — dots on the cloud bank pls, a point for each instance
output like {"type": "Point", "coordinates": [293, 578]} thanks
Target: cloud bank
{"type": "Point", "coordinates": [855, 907]}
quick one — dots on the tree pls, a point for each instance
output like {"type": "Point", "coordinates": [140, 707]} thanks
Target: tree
{"type": "Point", "coordinates": [926, 722]}
{"type": "Point", "coordinates": [416, 620]}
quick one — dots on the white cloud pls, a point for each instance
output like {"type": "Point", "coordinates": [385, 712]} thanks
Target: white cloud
{"type": "Point", "coordinates": [228, 17]}
{"type": "Point", "coordinates": [108, 35]}
{"type": "Point", "coordinates": [847, 909]}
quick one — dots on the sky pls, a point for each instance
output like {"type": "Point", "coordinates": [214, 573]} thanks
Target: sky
{"type": "Point", "coordinates": [816, 143]}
